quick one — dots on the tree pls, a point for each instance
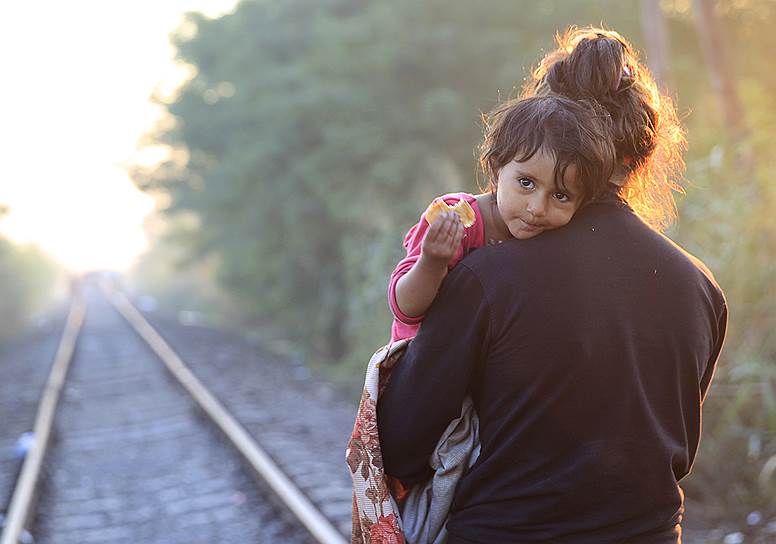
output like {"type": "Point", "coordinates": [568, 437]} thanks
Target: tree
{"type": "Point", "coordinates": [306, 117]}
{"type": "Point", "coordinates": [656, 41]}
{"type": "Point", "coordinates": [716, 56]}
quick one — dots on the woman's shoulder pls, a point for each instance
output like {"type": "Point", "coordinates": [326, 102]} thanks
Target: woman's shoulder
{"type": "Point", "coordinates": [689, 261]}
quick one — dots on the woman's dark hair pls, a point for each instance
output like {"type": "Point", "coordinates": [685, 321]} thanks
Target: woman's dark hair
{"type": "Point", "coordinates": [575, 132]}
{"type": "Point", "coordinates": [597, 64]}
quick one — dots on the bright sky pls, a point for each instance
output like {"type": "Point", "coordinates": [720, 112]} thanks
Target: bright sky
{"type": "Point", "coordinates": [74, 103]}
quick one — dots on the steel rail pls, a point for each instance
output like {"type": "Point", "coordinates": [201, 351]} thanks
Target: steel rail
{"type": "Point", "coordinates": [262, 464]}
{"type": "Point", "coordinates": [21, 508]}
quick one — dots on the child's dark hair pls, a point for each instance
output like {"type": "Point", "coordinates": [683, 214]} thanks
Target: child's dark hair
{"type": "Point", "coordinates": [575, 132]}
{"type": "Point", "coordinates": [597, 64]}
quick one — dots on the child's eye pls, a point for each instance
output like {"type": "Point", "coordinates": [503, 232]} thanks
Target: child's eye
{"type": "Point", "coordinates": [526, 183]}
{"type": "Point", "coordinates": [563, 197]}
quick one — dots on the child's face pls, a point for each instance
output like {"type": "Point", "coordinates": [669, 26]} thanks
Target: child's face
{"type": "Point", "coordinates": [529, 201]}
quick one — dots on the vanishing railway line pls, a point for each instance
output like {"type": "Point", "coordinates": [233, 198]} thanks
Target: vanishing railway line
{"type": "Point", "coordinates": [122, 453]}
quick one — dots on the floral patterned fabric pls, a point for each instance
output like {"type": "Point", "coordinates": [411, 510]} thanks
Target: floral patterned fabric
{"type": "Point", "coordinates": [380, 501]}
{"type": "Point", "coordinates": [376, 517]}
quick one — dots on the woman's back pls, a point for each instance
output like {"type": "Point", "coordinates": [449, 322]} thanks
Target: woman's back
{"type": "Point", "coordinates": [597, 342]}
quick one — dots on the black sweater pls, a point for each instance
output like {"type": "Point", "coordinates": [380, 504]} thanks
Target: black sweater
{"type": "Point", "coordinates": [588, 351]}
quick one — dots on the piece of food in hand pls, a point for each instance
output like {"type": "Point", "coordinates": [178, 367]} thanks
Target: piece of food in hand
{"type": "Point", "coordinates": [461, 208]}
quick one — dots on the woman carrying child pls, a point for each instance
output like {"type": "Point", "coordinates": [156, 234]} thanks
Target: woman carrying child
{"type": "Point", "coordinates": [586, 351]}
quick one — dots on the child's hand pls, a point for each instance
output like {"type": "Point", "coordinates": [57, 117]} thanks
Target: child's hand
{"type": "Point", "coordinates": [442, 239]}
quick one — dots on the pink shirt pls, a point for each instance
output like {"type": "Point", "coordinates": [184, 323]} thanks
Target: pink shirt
{"type": "Point", "coordinates": [474, 236]}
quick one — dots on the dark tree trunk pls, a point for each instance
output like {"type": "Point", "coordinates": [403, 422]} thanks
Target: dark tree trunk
{"type": "Point", "coordinates": [336, 342]}
{"type": "Point", "coordinates": [714, 47]}
{"type": "Point", "coordinates": [653, 25]}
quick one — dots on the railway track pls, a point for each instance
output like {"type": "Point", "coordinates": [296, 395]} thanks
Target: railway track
{"type": "Point", "coordinates": [121, 454]}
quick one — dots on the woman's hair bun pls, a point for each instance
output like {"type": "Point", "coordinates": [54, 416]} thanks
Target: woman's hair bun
{"type": "Point", "coordinates": [598, 64]}
{"type": "Point", "coordinates": [594, 67]}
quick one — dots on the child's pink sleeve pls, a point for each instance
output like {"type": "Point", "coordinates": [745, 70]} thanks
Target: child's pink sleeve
{"type": "Point", "coordinates": [412, 243]}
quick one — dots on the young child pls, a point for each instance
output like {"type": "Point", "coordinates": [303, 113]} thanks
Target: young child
{"type": "Point", "coordinates": [544, 157]}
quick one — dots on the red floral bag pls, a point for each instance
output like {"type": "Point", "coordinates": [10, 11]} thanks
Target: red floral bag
{"type": "Point", "coordinates": [376, 517]}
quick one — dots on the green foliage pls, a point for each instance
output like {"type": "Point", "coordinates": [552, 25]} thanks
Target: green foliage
{"type": "Point", "coordinates": [313, 133]}
{"type": "Point", "coordinates": [727, 219]}
{"type": "Point", "coordinates": [729, 222]}
{"type": "Point", "coordinates": [304, 117]}
{"type": "Point", "coordinates": [27, 279]}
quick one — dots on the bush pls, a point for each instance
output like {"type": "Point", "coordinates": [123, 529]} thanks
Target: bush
{"type": "Point", "coordinates": [27, 281]}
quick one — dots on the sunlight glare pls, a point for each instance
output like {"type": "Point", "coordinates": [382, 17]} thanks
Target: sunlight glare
{"type": "Point", "coordinates": [73, 115]}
